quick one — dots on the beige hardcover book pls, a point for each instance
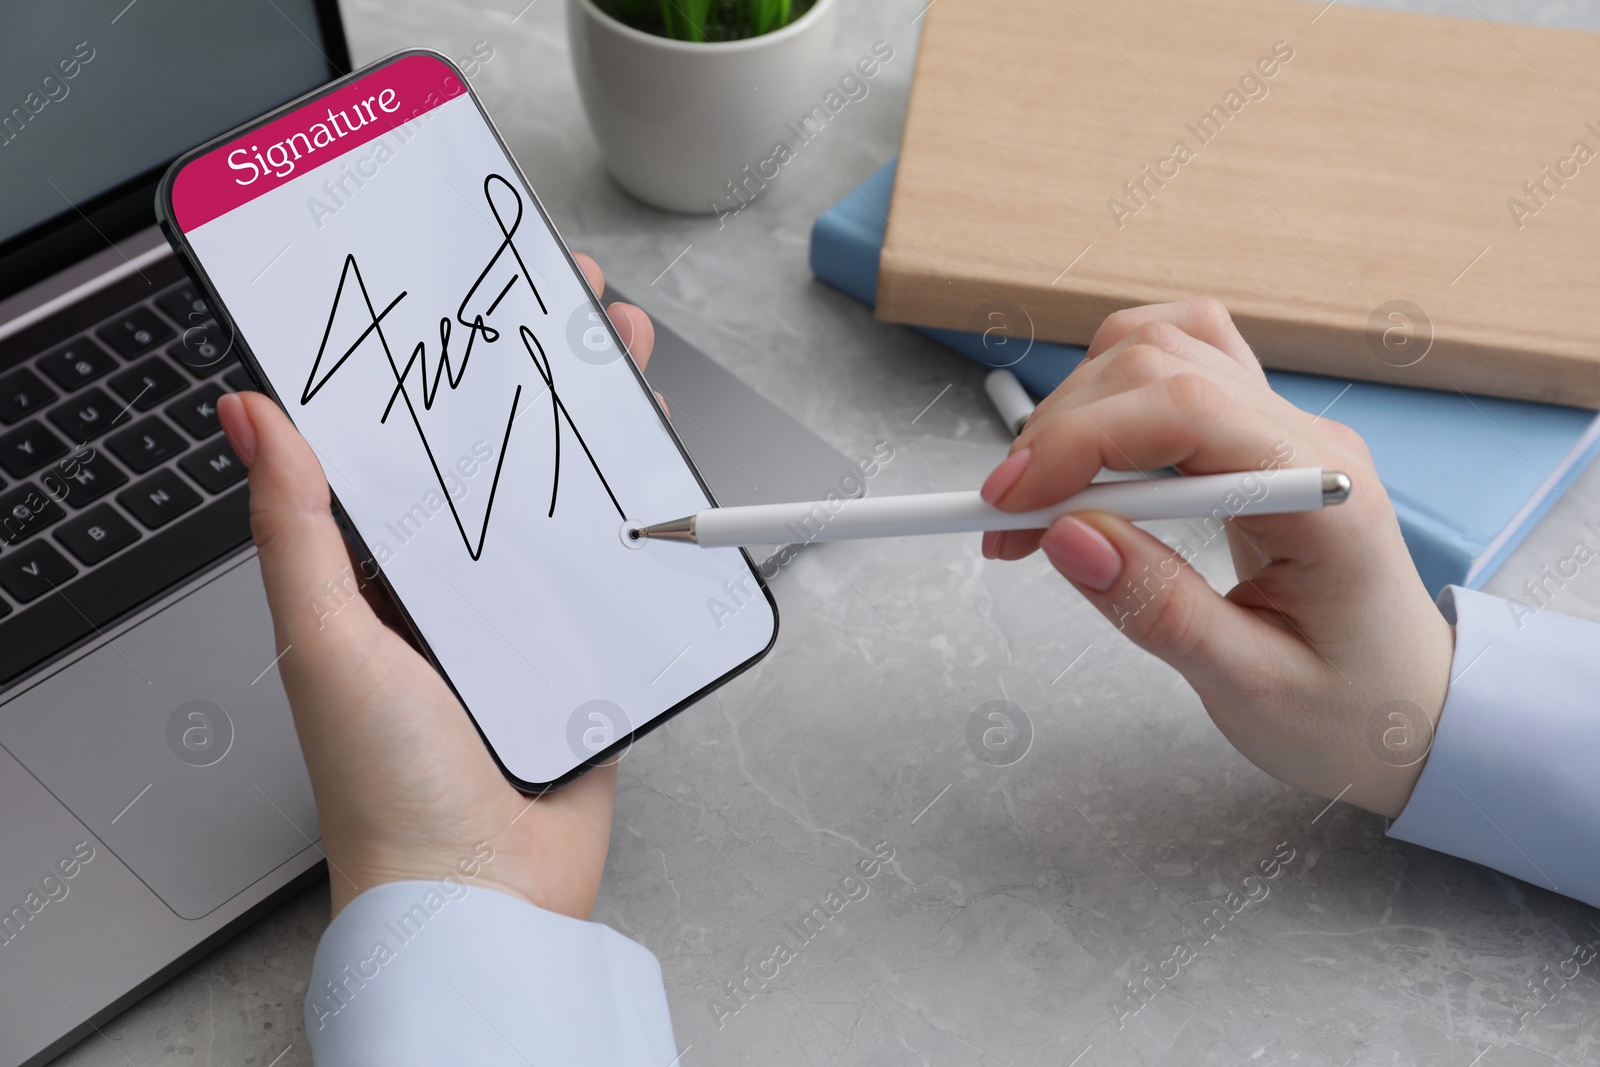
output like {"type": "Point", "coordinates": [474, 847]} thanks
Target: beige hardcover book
{"type": "Point", "coordinates": [1374, 194]}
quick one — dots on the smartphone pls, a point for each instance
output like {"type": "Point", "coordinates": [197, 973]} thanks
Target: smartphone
{"type": "Point", "coordinates": [378, 262]}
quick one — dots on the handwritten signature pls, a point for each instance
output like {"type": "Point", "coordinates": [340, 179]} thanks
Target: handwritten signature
{"type": "Point", "coordinates": [506, 256]}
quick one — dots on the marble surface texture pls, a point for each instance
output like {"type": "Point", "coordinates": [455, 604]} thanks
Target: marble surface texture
{"type": "Point", "coordinates": [1022, 898]}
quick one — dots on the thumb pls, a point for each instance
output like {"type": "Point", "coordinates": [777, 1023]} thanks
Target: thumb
{"type": "Point", "coordinates": [314, 594]}
{"type": "Point", "coordinates": [1149, 591]}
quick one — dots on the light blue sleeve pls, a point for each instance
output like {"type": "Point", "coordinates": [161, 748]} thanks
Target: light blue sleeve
{"type": "Point", "coordinates": [1513, 779]}
{"type": "Point", "coordinates": [442, 972]}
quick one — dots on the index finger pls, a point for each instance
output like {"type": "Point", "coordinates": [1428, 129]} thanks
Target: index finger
{"type": "Point", "coordinates": [1185, 421]}
{"type": "Point", "coordinates": [1206, 320]}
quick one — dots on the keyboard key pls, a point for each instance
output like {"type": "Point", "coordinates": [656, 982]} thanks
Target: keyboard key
{"type": "Point", "coordinates": [5, 609]}
{"type": "Point", "coordinates": [197, 412]}
{"type": "Point", "coordinates": [158, 499]}
{"type": "Point", "coordinates": [24, 511]}
{"type": "Point", "coordinates": [238, 379]}
{"type": "Point", "coordinates": [202, 350]}
{"type": "Point", "coordinates": [22, 392]}
{"type": "Point", "coordinates": [146, 443]}
{"type": "Point", "coordinates": [134, 332]}
{"type": "Point", "coordinates": [89, 414]}
{"type": "Point", "coordinates": [82, 478]}
{"type": "Point", "coordinates": [214, 466]}
{"type": "Point", "coordinates": [29, 447]}
{"type": "Point", "coordinates": [101, 596]}
{"type": "Point", "coordinates": [184, 305]}
{"type": "Point", "coordinates": [147, 383]}
{"type": "Point", "coordinates": [77, 364]}
{"type": "Point", "coordinates": [34, 570]}
{"type": "Point", "coordinates": [96, 534]}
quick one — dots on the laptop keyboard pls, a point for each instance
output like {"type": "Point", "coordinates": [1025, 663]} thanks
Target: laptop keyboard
{"type": "Point", "coordinates": [116, 482]}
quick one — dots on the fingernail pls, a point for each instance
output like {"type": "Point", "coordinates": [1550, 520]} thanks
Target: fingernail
{"type": "Point", "coordinates": [991, 544]}
{"type": "Point", "coordinates": [1003, 477]}
{"type": "Point", "coordinates": [1082, 553]}
{"type": "Point", "coordinates": [237, 427]}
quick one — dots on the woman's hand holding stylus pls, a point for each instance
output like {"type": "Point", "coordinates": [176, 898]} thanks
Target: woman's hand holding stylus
{"type": "Point", "coordinates": [1329, 630]}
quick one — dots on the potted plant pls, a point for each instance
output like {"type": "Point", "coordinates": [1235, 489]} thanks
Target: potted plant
{"type": "Point", "coordinates": [689, 98]}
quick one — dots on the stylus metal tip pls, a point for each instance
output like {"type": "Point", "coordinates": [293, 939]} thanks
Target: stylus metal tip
{"type": "Point", "coordinates": [676, 530]}
{"type": "Point", "coordinates": [1335, 487]}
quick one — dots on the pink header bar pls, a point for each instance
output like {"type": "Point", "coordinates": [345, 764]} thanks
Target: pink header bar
{"type": "Point", "coordinates": [264, 159]}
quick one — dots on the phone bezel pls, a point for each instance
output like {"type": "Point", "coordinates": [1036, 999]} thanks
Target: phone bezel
{"type": "Point", "coordinates": [166, 217]}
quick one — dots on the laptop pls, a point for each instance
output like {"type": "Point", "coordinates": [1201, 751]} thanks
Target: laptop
{"type": "Point", "coordinates": [151, 782]}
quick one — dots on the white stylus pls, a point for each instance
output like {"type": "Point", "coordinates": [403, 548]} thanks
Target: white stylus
{"type": "Point", "coordinates": [1225, 495]}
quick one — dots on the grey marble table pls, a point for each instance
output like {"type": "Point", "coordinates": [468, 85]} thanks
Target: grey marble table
{"type": "Point", "coordinates": [1020, 899]}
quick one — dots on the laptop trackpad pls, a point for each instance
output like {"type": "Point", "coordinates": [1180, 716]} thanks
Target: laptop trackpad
{"type": "Point", "coordinates": [168, 746]}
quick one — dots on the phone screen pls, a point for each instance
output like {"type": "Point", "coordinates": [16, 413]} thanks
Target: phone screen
{"type": "Point", "coordinates": [394, 282]}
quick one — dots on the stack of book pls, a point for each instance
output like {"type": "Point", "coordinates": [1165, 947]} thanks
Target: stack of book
{"type": "Point", "coordinates": [1469, 475]}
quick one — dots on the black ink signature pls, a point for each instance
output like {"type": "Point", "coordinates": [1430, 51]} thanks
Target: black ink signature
{"type": "Point", "coordinates": [452, 375]}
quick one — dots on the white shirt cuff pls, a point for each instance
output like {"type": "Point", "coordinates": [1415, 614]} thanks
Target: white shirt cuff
{"type": "Point", "coordinates": [443, 972]}
{"type": "Point", "coordinates": [1511, 780]}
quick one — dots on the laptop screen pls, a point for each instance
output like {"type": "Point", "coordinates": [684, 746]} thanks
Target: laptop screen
{"type": "Point", "coordinates": [95, 96]}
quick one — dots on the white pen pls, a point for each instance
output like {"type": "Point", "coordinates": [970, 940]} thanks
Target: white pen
{"type": "Point", "coordinates": [1273, 492]}
{"type": "Point", "coordinates": [1009, 398]}
{"type": "Point", "coordinates": [1015, 407]}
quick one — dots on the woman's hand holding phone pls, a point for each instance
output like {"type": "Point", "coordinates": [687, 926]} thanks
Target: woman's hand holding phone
{"type": "Point", "coordinates": [405, 788]}
{"type": "Point", "coordinates": [1329, 638]}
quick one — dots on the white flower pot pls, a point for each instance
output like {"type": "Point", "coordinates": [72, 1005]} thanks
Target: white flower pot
{"type": "Point", "coordinates": [677, 121]}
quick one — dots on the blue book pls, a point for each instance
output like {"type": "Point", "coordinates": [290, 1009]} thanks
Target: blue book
{"type": "Point", "coordinates": [1469, 475]}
